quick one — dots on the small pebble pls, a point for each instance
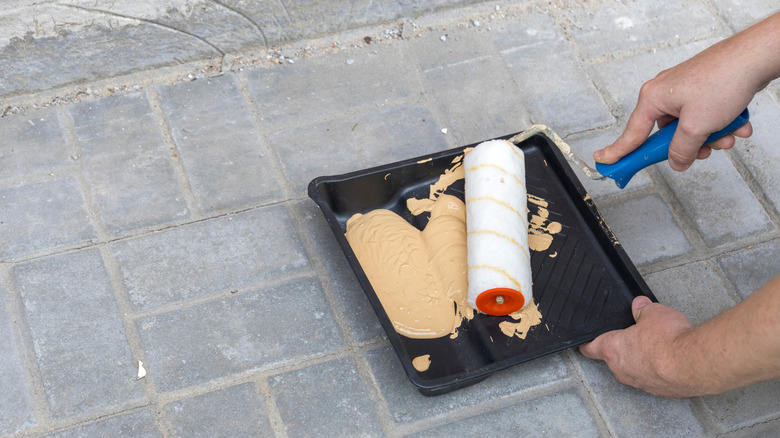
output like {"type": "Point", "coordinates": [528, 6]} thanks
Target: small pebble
{"type": "Point", "coordinates": [350, 61]}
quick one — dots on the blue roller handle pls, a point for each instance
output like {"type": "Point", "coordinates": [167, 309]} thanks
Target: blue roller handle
{"type": "Point", "coordinates": [656, 149]}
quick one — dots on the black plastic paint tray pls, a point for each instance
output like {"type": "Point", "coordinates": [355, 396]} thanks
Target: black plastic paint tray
{"type": "Point", "coordinates": [583, 284]}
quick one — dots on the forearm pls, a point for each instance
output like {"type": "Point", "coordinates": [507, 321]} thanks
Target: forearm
{"type": "Point", "coordinates": [755, 51]}
{"type": "Point", "coordinates": [738, 347]}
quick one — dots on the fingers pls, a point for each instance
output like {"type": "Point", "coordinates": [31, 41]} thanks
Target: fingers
{"type": "Point", "coordinates": [638, 128]}
{"type": "Point", "coordinates": [638, 304]}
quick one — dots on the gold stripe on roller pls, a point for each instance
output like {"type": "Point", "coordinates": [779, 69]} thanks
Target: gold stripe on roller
{"type": "Point", "coordinates": [517, 178]}
{"type": "Point", "coordinates": [499, 270]}
{"type": "Point", "coordinates": [505, 237]}
{"type": "Point", "coordinates": [490, 198]}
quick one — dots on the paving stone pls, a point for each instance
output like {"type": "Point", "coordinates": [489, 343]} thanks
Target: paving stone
{"type": "Point", "coordinates": [746, 406]}
{"type": "Point", "coordinates": [693, 289]}
{"type": "Point", "coordinates": [16, 412]}
{"type": "Point", "coordinates": [350, 297]}
{"type": "Point", "coordinates": [646, 228]}
{"type": "Point", "coordinates": [611, 27]}
{"type": "Point", "coordinates": [751, 268]}
{"type": "Point", "coordinates": [235, 412]}
{"type": "Point", "coordinates": [584, 146]}
{"type": "Point", "coordinates": [630, 412]}
{"type": "Point", "coordinates": [203, 114]}
{"type": "Point", "coordinates": [40, 216]}
{"type": "Point", "coordinates": [80, 343]}
{"type": "Point", "coordinates": [35, 64]}
{"type": "Point", "coordinates": [356, 142]}
{"type": "Point", "coordinates": [516, 420]}
{"type": "Point", "coordinates": [406, 404]}
{"type": "Point", "coordinates": [289, 95]}
{"type": "Point", "coordinates": [32, 143]}
{"type": "Point", "coordinates": [741, 14]}
{"type": "Point", "coordinates": [308, 397]}
{"type": "Point", "coordinates": [760, 152]}
{"type": "Point", "coordinates": [557, 92]}
{"type": "Point", "coordinates": [623, 77]}
{"type": "Point", "coordinates": [529, 29]}
{"type": "Point", "coordinates": [204, 257]}
{"type": "Point", "coordinates": [246, 331]}
{"type": "Point", "coordinates": [486, 103]}
{"type": "Point", "coordinates": [126, 163]}
{"type": "Point", "coordinates": [715, 196]}
{"type": "Point", "coordinates": [138, 424]}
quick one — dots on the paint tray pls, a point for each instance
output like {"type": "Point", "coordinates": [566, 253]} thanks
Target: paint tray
{"type": "Point", "coordinates": [583, 284]}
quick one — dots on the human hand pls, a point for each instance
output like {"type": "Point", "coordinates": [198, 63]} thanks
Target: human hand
{"type": "Point", "coordinates": [645, 355]}
{"type": "Point", "coordinates": [705, 92]}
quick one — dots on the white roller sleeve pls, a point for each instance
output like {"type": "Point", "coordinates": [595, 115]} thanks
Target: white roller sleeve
{"type": "Point", "coordinates": [499, 266]}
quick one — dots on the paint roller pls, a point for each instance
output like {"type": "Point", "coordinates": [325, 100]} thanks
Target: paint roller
{"type": "Point", "coordinates": [499, 264]}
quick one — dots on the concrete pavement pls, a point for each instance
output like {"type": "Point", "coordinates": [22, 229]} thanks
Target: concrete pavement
{"type": "Point", "coordinates": [152, 181]}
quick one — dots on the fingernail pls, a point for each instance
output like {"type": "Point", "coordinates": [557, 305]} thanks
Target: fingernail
{"type": "Point", "coordinates": [641, 301]}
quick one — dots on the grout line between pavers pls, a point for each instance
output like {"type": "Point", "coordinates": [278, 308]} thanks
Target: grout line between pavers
{"type": "Point", "coordinates": [25, 346]}
{"type": "Point", "coordinates": [174, 156]}
{"type": "Point", "coordinates": [122, 299]}
{"type": "Point", "coordinates": [272, 409]}
{"type": "Point", "coordinates": [381, 407]}
{"type": "Point", "coordinates": [93, 210]}
{"type": "Point", "coordinates": [585, 393]}
{"type": "Point", "coordinates": [589, 389]}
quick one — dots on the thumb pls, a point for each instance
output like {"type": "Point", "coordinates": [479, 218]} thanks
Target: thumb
{"type": "Point", "coordinates": [640, 124]}
{"type": "Point", "coordinates": [638, 304]}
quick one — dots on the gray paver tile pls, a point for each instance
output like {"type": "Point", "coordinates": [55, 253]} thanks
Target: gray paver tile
{"type": "Point", "coordinates": [16, 412]}
{"type": "Point", "coordinates": [760, 152]}
{"type": "Point", "coordinates": [739, 16]}
{"type": "Point", "coordinates": [693, 289]}
{"type": "Point", "coordinates": [126, 163]}
{"type": "Point", "coordinates": [611, 27]}
{"type": "Point", "coordinates": [551, 102]}
{"type": "Point", "coordinates": [751, 268]}
{"type": "Point", "coordinates": [406, 404]}
{"type": "Point", "coordinates": [80, 343]}
{"type": "Point", "coordinates": [356, 142]}
{"type": "Point", "coordinates": [221, 149]}
{"type": "Point", "coordinates": [204, 257]}
{"type": "Point", "coordinates": [584, 146]}
{"type": "Point", "coordinates": [558, 91]}
{"type": "Point", "coordinates": [243, 332]}
{"type": "Point", "coordinates": [486, 103]}
{"type": "Point", "coordinates": [746, 406]}
{"type": "Point", "coordinates": [350, 297]}
{"type": "Point", "coordinates": [138, 424]}
{"type": "Point", "coordinates": [328, 399]}
{"type": "Point", "coordinates": [32, 143]}
{"type": "Point", "coordinates": [646, 228]}
{"type": "Point", "coordinates": [235, 412]}
{"type": "Point", "coordinates": [623, 77]}
{"type": "Point", "coordinates": [323, 86]}
{"type": "Point", "coordinates": [44, 215]}
{"type": "Point", "coordinates": [715, 196]}
{"type": "Point", "coordinates": [630, 412]}
{"type": "Point", "coordinates": [516, 420]}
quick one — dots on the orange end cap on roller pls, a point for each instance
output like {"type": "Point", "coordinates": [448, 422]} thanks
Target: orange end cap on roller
{"type": "Point", "coordinates": [500, 301]}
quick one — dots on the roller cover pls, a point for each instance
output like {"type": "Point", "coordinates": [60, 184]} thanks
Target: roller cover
{"type": "Point", "coordinates": [499, 264]}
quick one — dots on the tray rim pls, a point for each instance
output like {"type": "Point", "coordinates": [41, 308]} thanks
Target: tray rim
{"type": "Point", "coordinates": [444, 384]}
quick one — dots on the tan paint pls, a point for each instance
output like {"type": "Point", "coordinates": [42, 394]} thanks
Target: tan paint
{"type": "Point", "coordinates": [528, 317]}
{"type": "Point", "coordinates": [540, 228]}
{"type": "Point", "coordinates": [422, 363]}
{"type": "Point", "coordinates": [419, 277]}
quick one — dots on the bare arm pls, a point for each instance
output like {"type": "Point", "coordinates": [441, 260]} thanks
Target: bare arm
{"type": "Point", "coordinates": [664, 354]}
{"type": "Point", "coordinates": [705, 92]}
